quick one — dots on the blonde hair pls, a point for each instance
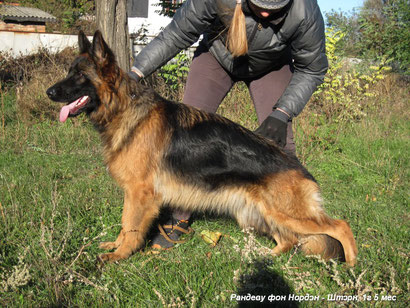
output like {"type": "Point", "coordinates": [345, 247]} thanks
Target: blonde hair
{"type": "Point", "coordinates": [237, 41]}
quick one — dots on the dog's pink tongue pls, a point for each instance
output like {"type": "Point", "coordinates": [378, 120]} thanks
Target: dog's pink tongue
{"type": "Point", "coordinates": [71, 108]}
{"type": "Point", "coordinates": [64, 112]}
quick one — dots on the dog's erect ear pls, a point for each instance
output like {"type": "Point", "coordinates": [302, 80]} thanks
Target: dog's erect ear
{"type": "Point", "coordinates": [100, 50]}
{"type": "Point", "coordinates": [84, 44]}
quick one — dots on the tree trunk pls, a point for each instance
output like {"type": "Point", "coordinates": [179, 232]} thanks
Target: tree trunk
{"type": "Point", "coordinates": [113, 24]}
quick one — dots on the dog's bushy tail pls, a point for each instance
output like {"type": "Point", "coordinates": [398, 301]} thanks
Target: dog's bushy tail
{"type": "Point", "coordinates": [325, 246]}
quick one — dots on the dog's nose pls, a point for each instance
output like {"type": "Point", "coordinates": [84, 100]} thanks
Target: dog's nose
{"type": "Point", "coordinates": [51, 92]}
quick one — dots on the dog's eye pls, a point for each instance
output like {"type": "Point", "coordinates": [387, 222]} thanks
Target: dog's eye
{"type": "Point", "coordinates": [81, 76]}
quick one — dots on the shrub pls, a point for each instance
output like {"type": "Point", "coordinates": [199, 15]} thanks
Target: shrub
{"type": "Point", "coordinates": [72, 15]}
{"type": "Point", "coordinates": [344, 94]}
{"type": "Point", "coordinates": [377, 30]}
{"type": "Point", "coordinates": [175, 71]}
{"type": "Point", "coordinates": [385, 31]}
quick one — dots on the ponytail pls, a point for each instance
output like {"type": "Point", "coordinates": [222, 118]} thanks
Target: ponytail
{"type": "Point", "coordinates": [237, 42]}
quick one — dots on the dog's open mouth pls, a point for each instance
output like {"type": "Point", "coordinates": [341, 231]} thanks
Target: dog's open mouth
{"type": "Point", "coordinates": [73, 108]}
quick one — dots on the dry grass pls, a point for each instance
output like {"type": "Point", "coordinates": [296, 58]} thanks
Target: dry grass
{"type": "Point", "coordinates": [16, 277]}
{"type": "Point", "coordinates": [32, 76]}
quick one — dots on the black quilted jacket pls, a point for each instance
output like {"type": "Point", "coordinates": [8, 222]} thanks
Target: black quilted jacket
{"type": "Point", "coordinates": [297, 32]}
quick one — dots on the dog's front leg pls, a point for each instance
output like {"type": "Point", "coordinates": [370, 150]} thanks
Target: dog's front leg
{"type": "Point", "coordinates": [140, 209]}
{"type": "Point", "coordinates": [113, 245]}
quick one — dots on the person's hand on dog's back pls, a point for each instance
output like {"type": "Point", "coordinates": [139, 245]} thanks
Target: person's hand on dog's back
{"type": "Point", "coordinates": [275, 127]}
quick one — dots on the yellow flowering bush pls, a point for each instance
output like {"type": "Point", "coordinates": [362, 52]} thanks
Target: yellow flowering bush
{"type": "Point", "coordinates": [345, 92]}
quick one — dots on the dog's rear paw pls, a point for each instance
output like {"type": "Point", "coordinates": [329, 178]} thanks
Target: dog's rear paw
{"type": "Point", "coordinates": [108, 245]}
{"type": "Point", "coordinates": [351, 262]}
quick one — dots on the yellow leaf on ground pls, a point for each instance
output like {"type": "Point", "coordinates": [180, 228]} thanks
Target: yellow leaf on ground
{"type": "Point", "coordinates": [211, 237]}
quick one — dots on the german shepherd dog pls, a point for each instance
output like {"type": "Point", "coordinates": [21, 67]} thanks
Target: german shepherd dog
{"type": "Point", "coordinates": [161, 152]}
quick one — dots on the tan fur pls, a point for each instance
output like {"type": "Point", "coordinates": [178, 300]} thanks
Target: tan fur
{"type": "Point", "coordinates": [133, 168]}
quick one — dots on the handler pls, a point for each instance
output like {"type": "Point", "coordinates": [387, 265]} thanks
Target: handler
{"type": "Point", "coordinates": [277, 47]}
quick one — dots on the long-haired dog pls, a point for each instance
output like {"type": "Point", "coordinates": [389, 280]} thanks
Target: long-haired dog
{"type": "Point", "coordinates": [161, 152]}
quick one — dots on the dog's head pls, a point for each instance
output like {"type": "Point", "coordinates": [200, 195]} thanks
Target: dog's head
{"type": "Point", "coordinates": [93, 69]}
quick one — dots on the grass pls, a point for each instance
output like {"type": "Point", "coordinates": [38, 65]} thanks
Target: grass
{"type": "Point", "coordinates": [57, 202]}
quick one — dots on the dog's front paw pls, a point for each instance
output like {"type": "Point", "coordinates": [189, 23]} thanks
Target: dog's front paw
{"type": "Point", "coordinates": [108, 245]}
{"type": "Point", "coordinates": [351, 262]}
{"type": "Point", "coordinates": [110, 257]}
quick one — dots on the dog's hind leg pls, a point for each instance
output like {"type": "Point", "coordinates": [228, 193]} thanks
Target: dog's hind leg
{"type": "Point", "coordinates": [292, 204]}
{"type": "Point", "coordinates": [337, 229]}
{"type": "Point", "coordinates": [250, 216]}
{"type": "Point", "coordinates": [283, 243]}
{"type": "Point", "coordinates": [140, 210]}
